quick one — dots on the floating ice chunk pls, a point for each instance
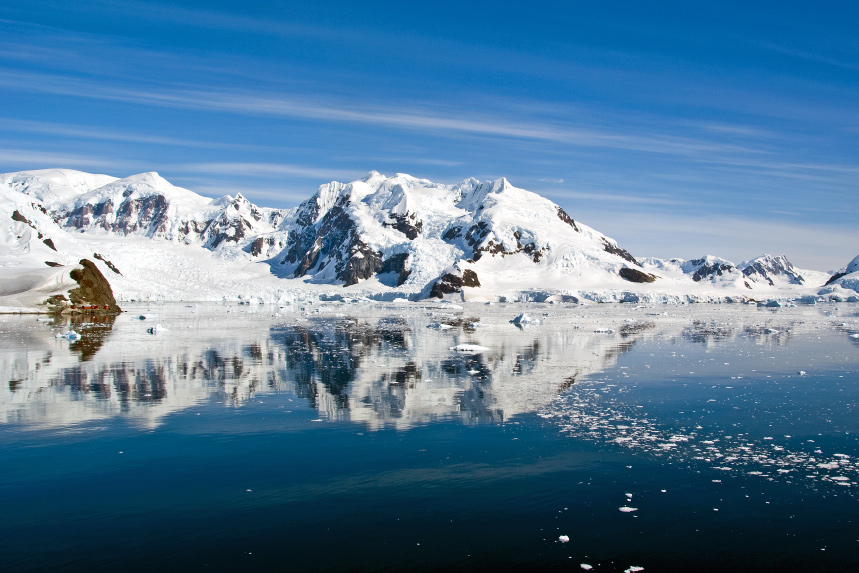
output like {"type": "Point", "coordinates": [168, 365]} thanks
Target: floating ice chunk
{"type": "Point", "coordinates": [854, 335]}
{"type": "Point", "coordinates": [524, 318]}
{"type": "Point", "coordinates": [439, 326]}
{"type": "Point", "coordinates": [70, 335]}
{"type": "Point", "coordinates": [586, 566]}
{"type": "Point", "coordinates": [802, 372]}
{"type": "Point", "coordinates": [627, 509]}
{"type": "Point", "coordinates": [157, 329]}
{"type": "Point", "coordinates": [633, 569]}
{"type": "Point", "coordinates": [469, 348]}
{"type": "Point", "coordinates": [564, 538]}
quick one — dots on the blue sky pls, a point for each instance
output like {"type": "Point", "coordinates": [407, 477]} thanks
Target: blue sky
{"type": "Point", "coordinates": [679, 129]}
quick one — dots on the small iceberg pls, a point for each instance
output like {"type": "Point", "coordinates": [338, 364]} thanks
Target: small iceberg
{"type": "Point", "coordinates": [524, 318]}
{"type": "Point", "coordinates": [70, 335]}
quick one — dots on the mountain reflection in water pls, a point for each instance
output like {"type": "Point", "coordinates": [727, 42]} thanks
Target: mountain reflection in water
{"type": "Point", "coordinates": [375, 366]}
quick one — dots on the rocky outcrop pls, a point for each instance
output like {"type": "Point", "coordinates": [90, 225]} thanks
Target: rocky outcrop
{"type": "Point", "coordinates": [710, 269]}
{"type": "Point", "coordinates": [451, 283]}
{"type": "Point", "coordinates": [334, 240]}
{"type": "Point", "coordinates": [636, 276]}
{"type": "Point", "coordinates": [407, 224]}
{"type": "Point", "coordinates": [616, 250]}
{"type": "Point", "coordinates": [397, 264]}
{"type": "Point", "coordinates": [764, 268]}
{"type": "Point", "coordinates": [109, 264]}
{"type": "Point", "coordinates": [93, 291]}
{"type": "Point", "coordinates": [562, 215]}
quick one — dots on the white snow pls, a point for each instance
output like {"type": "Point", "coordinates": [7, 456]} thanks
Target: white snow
{"type": "Point", "coordinates": [171, 244]}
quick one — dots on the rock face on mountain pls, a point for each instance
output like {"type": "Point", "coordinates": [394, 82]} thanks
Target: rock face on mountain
{"type": "Point", "coordinates": [146, 205]}
{"type": "Point", "coordinates": [851, 268]}
{"type": "Point", "coordinates": [764, 273]}
{"type": "Point", "coordinates": [769, 269]}
{"type": "Point", "coordinates": [432, 239]}
{"type": "Point", "coordinates": [93, 289]}
{"type": "Point", "coordinates": [398, 236]}
{"type": "Point", "coordinates": [844, 283]}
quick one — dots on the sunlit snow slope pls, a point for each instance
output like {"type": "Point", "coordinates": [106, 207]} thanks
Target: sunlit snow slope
{"type": "Point", "coordinates": [379, 236]}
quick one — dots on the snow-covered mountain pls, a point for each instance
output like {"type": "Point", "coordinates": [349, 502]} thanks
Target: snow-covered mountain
{"type": "Point", "coordinates": [380, 236]}
{"type": "Point", "coordinates": [422, 237]}
{"type": "Point", "coordinates": [844, 279]}
{"type": "Point", "coordinates": [762, 274]}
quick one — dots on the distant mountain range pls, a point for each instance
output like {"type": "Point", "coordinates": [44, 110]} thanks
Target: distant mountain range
{"type": "Point", "coordinates": [382, 237]}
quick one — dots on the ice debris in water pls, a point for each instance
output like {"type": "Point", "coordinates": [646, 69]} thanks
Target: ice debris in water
{"type": "Point", "coordinates": [525, 318]}
{"type": "Point", "coordinates": [439, 326]}
{"type": "Point", "coordinates": [586, 413]}
{"type": "Point", "coordinates": [564, 538]}
{"type": "Point", "coordinates": [627, 509]}
{"type": "Point", "coordinates": [70, 335]}
{"type": "Point", "coordinates": [633, 569]}
{"type": "Point", "coordinates": [469, 348]}
{"type": "Point", "coordinates": [157, 329]}
{"type": "Point", "coordinates": [586, 566]}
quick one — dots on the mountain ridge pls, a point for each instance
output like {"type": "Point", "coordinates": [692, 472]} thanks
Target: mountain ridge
{"type": "Point", "coordinates": [396, 236]}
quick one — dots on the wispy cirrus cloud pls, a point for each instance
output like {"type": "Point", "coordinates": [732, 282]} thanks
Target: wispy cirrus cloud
{"type": "Point", "coordinates": [34, 159]}
{"type": "Point", "coordinates": [271, 169]}
{"type": "Point", "coordinates": [423, 119]}
{"type": "Point", "coordinates": [101, 134]}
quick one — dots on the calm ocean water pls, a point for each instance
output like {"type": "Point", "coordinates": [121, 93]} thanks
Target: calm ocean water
{"type": "Point", "coordinates": [332, 437]}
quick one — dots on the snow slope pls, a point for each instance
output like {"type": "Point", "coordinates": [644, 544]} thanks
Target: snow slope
{"type": "Point", "coordinates": [383, 237]}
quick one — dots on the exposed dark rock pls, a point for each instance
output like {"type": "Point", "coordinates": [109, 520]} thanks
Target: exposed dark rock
{"type": "Point", "coordinates": [397, 264]}
{"type": "Point", "coordinates": [452, 234]}
{"type": "Point", "coordinates": [469, 278]}
{"type": "Point", "coordinates": [260, 244]}
{"type": "Point", "coordinates": [767, 267]}
{"type": "Point", "coordinates": [636, 276]}
{"type": "Point", "coordinates": [362, 264]}
{"type": "Point", "coordinates": [53, 264]}
{"type": "Point", "coordinates": [93, 289]}
{"type": "Point", "coordinates": [475, 235]}
{"type": "Point", "coordinates": [710, 270]}
{"type": "Point", "coordinates": [49, 243]}
{"type": "Point", "coordinates": [109, 264]}
{"type": "Point", "coordinates": [149, 214]}
{"type": "Point", "coordinates": [16, 216]}
{"type": "Point", "coordinates": [448, 284]}
{"type": "Point", "coordinates": [451, 283]}
{"type": "Point", "coordinates": [562, 215]}
{"type": "Point", "coordinates": [333, 240]}
{"type": "Point", "coordinates": [406, 224]}
{"type": "Point", "coordinates": [622, 253]}
{"type": "Point", "coordinates": [834, 278]}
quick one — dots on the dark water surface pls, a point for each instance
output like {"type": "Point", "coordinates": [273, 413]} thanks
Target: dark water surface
{"type": "Point", "coordinates": [351, 437]}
